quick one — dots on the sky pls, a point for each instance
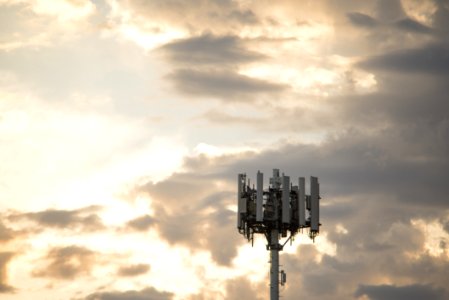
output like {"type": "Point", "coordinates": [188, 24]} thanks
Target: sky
{"type": "Point", "coordinates": [124, 124]}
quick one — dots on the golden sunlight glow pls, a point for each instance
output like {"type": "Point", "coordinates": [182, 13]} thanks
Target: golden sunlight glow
{"type": "Point", "coordinates": [436, 238]}
{"type": "Point", "coordinates": [152, 39]}
{"type": "Point", "coordinates": [64, 10]}
{"type": "Point", "coordinates": [212, 150]}
{"type": "Point", "coordinates": [419, 10]}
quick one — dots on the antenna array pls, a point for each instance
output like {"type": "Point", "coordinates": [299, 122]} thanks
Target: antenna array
{"type": "Point", "coordinates": [279, 211]}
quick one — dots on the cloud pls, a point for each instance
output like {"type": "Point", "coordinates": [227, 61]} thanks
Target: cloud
{"type": "Point", "coordinates": [191, 210]}
{"type": "Point", "coordinates": [223, 84]}
{"type": "Point", "coordinates": [362, 20]}
{"type": "Point", "coordinates": [389, 10]}
{"type": "Point", "coordinates": [234, 289]}
{"type": "Point", "coordinates": [145, 294]}
{"type": "Point", "coordinates": [6, 234]}
{"type": "Point", "coordinates": [5, 258]}
{"type": "Point", "coordinates": [83, 218]}
{"type": "Point", "coordinates": [441, 16]}
{"type": "Point", "coordinates": [210, 68]}
{"type": "Point", "coordinates": [429, 59]}
{"type": "Point", "coordinates": [141, 223]}
{"type": "Point", "coordinates": [287, 119]}
{"type": "Point", "coordinates": [40, 24]}
{"type": "Point", "coordinates": [133, 270]}
{"type": "Point", "coordinates": [411, 25]}
{"type": "Point", "coordinates": [241, 288]}
{"type": "Point", "coordinates": [195, 16]}
{"type": "Point", "coordinates": [372, 181]}
{"type": "Point", "coordinates": [68, 262]}
{"type": "Point", "coordinates": [244, 16]}
{"type": "Point", "coordinates": [408, 292]}
{"type": "Point", "coordinates": [208, 49]}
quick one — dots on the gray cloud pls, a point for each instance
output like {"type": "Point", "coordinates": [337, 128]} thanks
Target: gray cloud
{"type": "Point", "coordinates": [441, 16]}
{"type": "Point", "coordinates": [235, 289]}
{"type": "Point", "coordinates": [244, 16]}
{"type": "Point", "coordinates": [210, 49]}
{"type": "Point", "coordinates": [241, 288]}
{"type": "Point", "coordinates": [145, 294]}
{"type": "Point", "coordinates": [133, 270]}
{"type": "Point", "coordinates": [411, 25]}
{"type": "Point", "coordinates": [407, 24]}
{"type": "Point", "coordinates": [5, 258]}
{"type": "Point", "coordinates": [223, 84]}
{"type": "Point", "coordinates": [6, 234]}
{"type": "Point", "coordinates": [187, 206]}
{"type": "Point", "coordinates": [408, 292]}
{"type": "Point", "coordinates": [429, 59]}
{"type": "Point", "coordinates": [291, 119]}
{"type": "Point", "coordinates": [197, 15]}
{"type": "Point", "coordinates": [389, 10]}
{"type": "Point", "coordinates": [141, 223]}
{"type": "Point", "coordinates": [210, 68]}
{"type": "Point", "coordinates": [362, 20]}
{"type": "Point", "coordinates": [84, 218]}
{"type": "Point", "coordinates": [67, 263]}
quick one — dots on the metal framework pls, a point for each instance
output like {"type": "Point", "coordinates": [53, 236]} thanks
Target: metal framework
{"type": "Point", "coordinates": [277, 212]}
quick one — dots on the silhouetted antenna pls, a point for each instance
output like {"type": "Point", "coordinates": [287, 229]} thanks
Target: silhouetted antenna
{"type": "Point", "coordinates": [277, 211]}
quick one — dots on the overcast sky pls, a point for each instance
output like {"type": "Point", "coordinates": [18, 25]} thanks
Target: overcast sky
{"type": "Point", "coordinates": [124, 124]}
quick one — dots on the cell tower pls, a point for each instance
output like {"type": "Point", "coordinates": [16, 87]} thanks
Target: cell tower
{"type": "Point", "coordinates": [277, 212]}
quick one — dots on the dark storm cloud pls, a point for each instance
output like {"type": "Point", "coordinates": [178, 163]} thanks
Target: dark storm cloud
{"type": "Point", "coordinates": [5, 258]}
{"type": "Point", "coordinates": [67, 263]}
{"type": "Point", "coordinates": [84, 218]}
{"type": "Point", "coordinates": [141, 223]}
{"type": "Point", "coordinates": [408, 292]}
{"type": "Point", "coordinates": [210, 49]}
{"type": "Point", "coordinates": [133, 270]}
{"type": "Point", "coordinates": [429, 59]}
{"type": "Point", "coordinates": [145, 294]}
{"type": "Point", "coordinates": [224, 84]}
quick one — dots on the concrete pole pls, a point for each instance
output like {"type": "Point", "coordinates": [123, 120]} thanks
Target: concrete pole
{"type": "Point", "coordinates": [274, 268]}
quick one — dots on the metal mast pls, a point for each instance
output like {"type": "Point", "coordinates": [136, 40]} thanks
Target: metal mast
{"type": "Point", "coordinates": [277, 212]}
